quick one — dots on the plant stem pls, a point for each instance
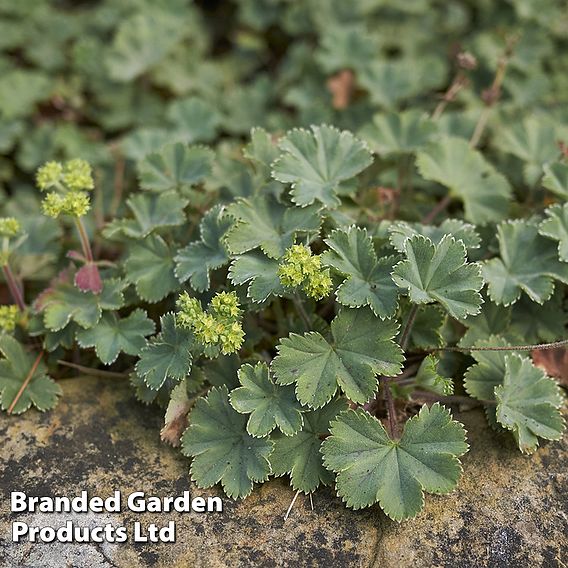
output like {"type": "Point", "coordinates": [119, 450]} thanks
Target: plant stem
{"type": "Point", "coordinates": [458, 83]}
{"type": "Point", "coordinates": [302, 311]}
{"type": "Point", "coordinates": [437, 209]}
{"type": "Point", "coordinates": [391, 411]}
{"type": "Point", "coordinates": [85, 244]}
{"type": "Point", "coordinates": [534, 347]}
{"type": "Point", "coordinates": [91, 371]}
{"type": "Point", "coordinates": [404, 338]}
{"type": "Point", "coordinates": [25, 383]}
{"type": "Point", "coordinates": [451, 399]}
{"type": "Point", "coordinates": [15, 290]}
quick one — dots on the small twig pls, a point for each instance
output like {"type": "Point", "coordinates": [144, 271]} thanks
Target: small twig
{"type": "Point", "coordinates": [454, 399]}
{"type": "Point", "coordinates": [93, 372]}
{"type": "Point", "coordinates": [404, 338]}
{"type": "Point", "coordinates": [391, 411]}
{"type": "Point", "coordinates": [437, 209]}
{"type": "Point", "coordinates": [311, 502]}
{"type": "Point", "coordinates": [535, 347]}
{"type": "Point", "coordinates": [118, 185]}
{"type": "Point", "coordinates": [26, 382]}
{"type": "Point", "coordinates": [291, 505]}
{"type": "Point", "coordinates": [457, 85]}
{"type": "Point", "coordinates": [13, 286]}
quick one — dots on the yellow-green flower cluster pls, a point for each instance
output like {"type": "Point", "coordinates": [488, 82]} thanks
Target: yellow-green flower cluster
{"type": "Point", "coordinates": [300, 268]}
{"type": "Point", "coordinates": [219, 326]}
{"type": "Point", "coordinates": [68, 184]}
{"type": "Point", "coordinates": [8, 317]}
{"type": "Point", "coordinates": [9, 227]}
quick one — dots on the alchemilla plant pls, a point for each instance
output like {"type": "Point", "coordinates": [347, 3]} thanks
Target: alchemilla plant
{"type": "Point", "coordinates": [311, 272]}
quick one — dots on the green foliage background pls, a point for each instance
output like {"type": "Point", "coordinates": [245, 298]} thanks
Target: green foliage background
{"type": "Point", "coordinates": [436, 201]}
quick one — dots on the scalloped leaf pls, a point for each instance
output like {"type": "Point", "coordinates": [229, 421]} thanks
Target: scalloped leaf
{"type": "Point", "coordinates": [166, 356]}
{"type": "Point", "coordinates": [372, 467]}
{"type": "Point", "coordinates": [193, 120]}
{"type": "Point", "coordinates": [64, 303]}
{"type": "Point", "coordinates": [368, 281]}
{"type": "Point", "coordinates": [440, 273]}
{"type": "Point", "coordinates": [360, 349]}
{"type": "Point", "coordinates": [405, 132]}
{"type": "Point", "coordinates": [465, 172]}
{"type": "Point", "coordinates": [528, 403]}
{"type": "Point", "coordinates": [150, 267]}
{"type": "Point", "coordinates": [461, 231]}
{"type": "Point", "coordinates": [142, 41]}
{"type": "Point", "coordinates": [151, 212]}
{"type": "Point", "coordinates": [268, 224]}
{"type": "Point", "coordinates": [175, 166]}
{"type": "Point", "coordinates": [221, 448]}
{"type": "Point", "coordinates": [113, 335]}
{"type": "Point", "coordinates": [555, 226]}
{"type": "Point", "coordinates": [556, 178]}
{"type": "Point", "coordinates": [528, 263]}
{"type": "Point", "coordinates": [261, 274]}
{"type": "Point", "coordinates": [300, 456]}
{"type": "Point", "coordinates": [428, 378]}
{"type": "Point", "coordinates": [41, 391]}
{"type": "Point", "coordinates": [268, 404]}
{"type": "Point", "coordinates": [195, 261]}
{"type": "Point", "coordinates": [316, 163]}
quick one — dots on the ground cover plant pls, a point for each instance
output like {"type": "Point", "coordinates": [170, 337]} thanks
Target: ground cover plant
{"type": "Point", "coordinates": [307, 230]}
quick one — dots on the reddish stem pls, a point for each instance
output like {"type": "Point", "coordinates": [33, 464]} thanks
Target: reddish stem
{"type": "Point", "coordinates": [26, 382]}
{"type": "Point", "coordinates": [14, 288]}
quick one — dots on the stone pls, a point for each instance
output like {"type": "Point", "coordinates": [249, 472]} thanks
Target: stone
{"type": "Point", "coordinates": [509, 509]}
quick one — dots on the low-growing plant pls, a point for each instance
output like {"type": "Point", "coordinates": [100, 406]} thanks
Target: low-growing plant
{"type": "Point", "coordinates": [312, 302]}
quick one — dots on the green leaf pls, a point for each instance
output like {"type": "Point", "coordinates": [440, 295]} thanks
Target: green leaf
{"type": "Point", "coordinates": [176, 166]}
{"type": "Point", "coordinates": [426, 332]}
{"type": "Point", "coordinates": [41, 391]}
{"type": "Point", "coordinates": [268, 404]}
{"type": "Point", "coordinates": [300, 456]}
{"type": "Point", "coordinates": [361, 348]}
{"type": "Point", "coordinates": [556, 178]}
{"type": "Point", "coordinates": [112, 335]}
{"type": "Point", "coordinates": [194, 120]}
{"type": "Point", "coordinates": [428, 378]}
{"type": "Point", "coordinates": [64, 303]}
{"type": "Point", "coordinates": [440, 273]}
{"type": "Point", "coordinates": [555, 226]}
{"type": "Point", "coordinates": [529, 263]}
{"type": "Point", "coordinates": [142, 41]}
{"type": "Point", "coordinates": [372, 467]}
{"type": "Point", "coordinates": [368, 281]}
{"type": "Point", "coordinates": [150, 267]}
{"type": "Point", "coordinates": [151, 212]}
{"type": "Point", "coordinates": [268, 224]}
{"type": "Point", "coordinates": [399, 133]}
{"type": "Point", "coordinates": [221, 448]}
{"type": "Point", "coordinates": [491, 320]}
{"type": "Point", "coordinates": [532, 139]}
{"type": "Point", "coordinates": [535, 323]}
{"type": "Point", "coordinates": [195, 261]}
{"type": "Point", "coordinates": [261, 151]}
{"type": "Point", "coordinates": [260, 272]}
{"type": "Point", "coordinates": [469, 177]}
{"type": "Point", "coordinates": [528, 403]}
{"type": "Point", "coordinates": [168, 355]}
{"type": "Point", "coordinates": [21, 90]}
{"type": "Point", "coordinates": [317, 163]}
{"type": "Point", "coordinates": [400, 231]}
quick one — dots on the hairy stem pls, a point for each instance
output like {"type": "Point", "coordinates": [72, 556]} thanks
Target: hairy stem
{"type": "Point", "coordinates": [85, 244]}
{"type": "Point", "coordinates": [25, 383]}
{"type": "Point", "coordinates": [302, 311]}
{"type": "Point", "coordinates": [436, 210]}
{"type": "Point", "coordinates": [13, 286]}
{"type": "Point", "coordinates": [391, 411]}
{"type": "Point", "coordinates": [92, 371]}
{"type": "Point", "coordinates": [454, 399]}
{"type": "Point", "coordinates": [404, 338]}
{"type": "Point", "coordinates": [534, 347]}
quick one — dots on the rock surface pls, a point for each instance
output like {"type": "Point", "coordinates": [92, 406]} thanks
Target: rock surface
{"type": "Point", "coordinates": [509, 509]}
